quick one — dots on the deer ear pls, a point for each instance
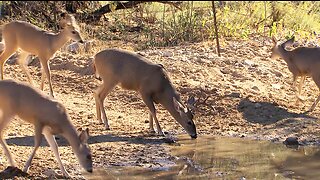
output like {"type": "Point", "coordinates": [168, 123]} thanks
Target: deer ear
{"type": "Point", "coordinates": [190, 102]}
{"type": "Point", "coordinates": [289, 42]}
{"type": "Point", "coordinates": [84, 135]}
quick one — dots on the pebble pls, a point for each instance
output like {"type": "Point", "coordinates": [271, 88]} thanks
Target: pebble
{"type": "Point", "coordinates": [291, 141]}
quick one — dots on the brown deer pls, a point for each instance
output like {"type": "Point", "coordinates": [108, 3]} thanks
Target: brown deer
{"type": "Point", "coordinates": [134, 72]}
{"type": "Point", "coordinates": [33, 40]}
{"type": "Point", "coordinates": [49, 118]}
{"type": "Point", "coordinates": [301, 61]}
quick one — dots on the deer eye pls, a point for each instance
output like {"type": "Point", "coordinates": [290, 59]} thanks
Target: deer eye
{"type": "Point", "coordinates": [89, 157]}
{"type": "Point", "coordinates": [73, 32]}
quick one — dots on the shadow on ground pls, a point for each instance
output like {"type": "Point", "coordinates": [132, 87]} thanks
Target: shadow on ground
{"type": "Point", "coordinates": [266, 113]}
{"type": "Point", "coordinates": [143, 139]}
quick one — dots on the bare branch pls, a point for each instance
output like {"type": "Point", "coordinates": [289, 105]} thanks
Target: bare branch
{"type": "Point", "coordinates": [97, 14]}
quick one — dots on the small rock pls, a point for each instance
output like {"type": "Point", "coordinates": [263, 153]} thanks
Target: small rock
{"type": "Point", "coordinates": [248, 62]}
{"type": "Point", "coordinates": [169, 140]}
{"type": "Point", "coordinates": [276, 86]}
{"type": "Point", "coordinates": [225, 71]}
{"type": "Point", "coordinates": [167, 54]}
{"type": "Point", "coordinates": [255, 88]}
{"type": "Point", "coordinates": [291, 141]}
{"type": "Point", "coordinates": [73, 47]}
{"type": "Point", "coordinates": [277, 73]}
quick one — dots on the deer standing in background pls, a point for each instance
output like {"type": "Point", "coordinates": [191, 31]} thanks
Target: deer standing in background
{"type": "Point", "coordinates": [33, 40]}
{"type": "Point", "coordinates": [301, 61]}
{"type": "Point", "coordinates": [134, 72]}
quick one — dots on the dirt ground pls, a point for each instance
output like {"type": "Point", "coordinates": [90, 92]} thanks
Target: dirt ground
{"type": "Point", "coordinates": [243, 93]}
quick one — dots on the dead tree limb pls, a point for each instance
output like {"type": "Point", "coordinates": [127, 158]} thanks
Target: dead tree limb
{"type": "Point", "coordinates": [97, 14]}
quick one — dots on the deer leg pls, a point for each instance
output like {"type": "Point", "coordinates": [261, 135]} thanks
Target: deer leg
{"type": "Point", "coordinates": [148, 101]}
{"type": "Point", "coordinates": [4, 120]}
{"type": "Point", "coordinates": [294, 82]}
{"type": "Point", "coordinates": [294, 85]}
{"type": "Point", "coordinates": [22, 63]}
{"type": "Point", "coordinates": [314, 104]}
{"type": "Point", "coordinates": [37, 141]}
{"type": "Point", "coordinates": [316, 79]}
{"type": "Point", "coordinates": [97, 99]}
{"type": "Point", "coordinates": [43, 77]}
{"type": "Point", "coordinates": [8, 51]}
{"type": "Point", "coordinates": [53, 144]}
{"type": "Point", "coordinates": [100, 95]}
{"type": "Point", "coordinates": [151, 123]}
{"type": "Point", "coordinates": [302, 80]}
{"type": "Point", "coordinates": [46, 71]}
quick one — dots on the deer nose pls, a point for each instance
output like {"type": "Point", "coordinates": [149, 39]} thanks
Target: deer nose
{"type": "Point", "coordinates": [89, 170]}
{"type": "Point", "coordinates": [194, 136]}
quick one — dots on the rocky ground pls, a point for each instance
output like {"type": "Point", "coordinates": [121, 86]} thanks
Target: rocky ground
{"type": "Point", "coordinates": [242, 93]}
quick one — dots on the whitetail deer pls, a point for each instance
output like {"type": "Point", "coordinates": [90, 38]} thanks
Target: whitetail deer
{"type": "Point", "coordinates": [134, 72]}
{"type": "Point", "coordinates": [301, 61]}
{"type": "Point", "coordinates": [49, 118]}
{"type": "Point", "coordinates": [33, 40]}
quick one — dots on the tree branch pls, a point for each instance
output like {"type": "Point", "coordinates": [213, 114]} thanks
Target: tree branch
{"type": "Point", "coordinates": [97, 14]}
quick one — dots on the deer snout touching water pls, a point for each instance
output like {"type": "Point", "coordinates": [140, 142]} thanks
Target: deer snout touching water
{"type": "Point", "coordinates": [301, 61]}
{"type": "Point", "coordinates": [134, 72]}
{"type": "Point", "coordinates": [49, 118]}
{"type": "Point", "coordinates": [33, 40]}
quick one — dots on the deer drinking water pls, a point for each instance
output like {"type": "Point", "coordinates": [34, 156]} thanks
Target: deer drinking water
{"type": "Point", "coordinates": [49, 118]}
{"type": "Point", "coordinates": [134, 72]}
{"type": "Point", "coordinates": [301, 61]}
{"type": "Point", "coordinates": [33, 40]}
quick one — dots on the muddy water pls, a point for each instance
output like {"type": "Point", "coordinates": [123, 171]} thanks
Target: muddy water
{"type": "Point", "coordinates": [227, 158]}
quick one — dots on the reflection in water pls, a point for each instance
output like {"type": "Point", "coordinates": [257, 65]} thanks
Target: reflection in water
{"type": "Point", "coordinates": [227, 158]}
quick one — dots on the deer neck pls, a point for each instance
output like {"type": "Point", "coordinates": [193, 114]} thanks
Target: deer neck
{"type": "Point", "coordinates": [72, 137]}
{"type": "Point", "coordinates": [58, 40]}
{"type": "Point", "coordinates": [284, 54]}
{"type": "Point", "coordinates": [169, 106]}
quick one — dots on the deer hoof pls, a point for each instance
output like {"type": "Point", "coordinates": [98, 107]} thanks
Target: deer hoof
{"type": "Point", "coordinates": [152, 131]}
{"type": "Point", "coordinates": [161, 134]}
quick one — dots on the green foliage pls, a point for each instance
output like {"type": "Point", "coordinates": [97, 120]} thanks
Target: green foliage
{"type": "Point", "coordinates": [165, 25]}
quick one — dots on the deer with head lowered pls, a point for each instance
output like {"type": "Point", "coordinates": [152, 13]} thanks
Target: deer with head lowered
{"type": "Point", "coordinates": [30, 39]}
{"type": "Point", "coordinates": [302, 62]}
{"type": "Point", "coordinates": [134, 72]}
{"type": "Point", "coordinates": [49, 118]}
